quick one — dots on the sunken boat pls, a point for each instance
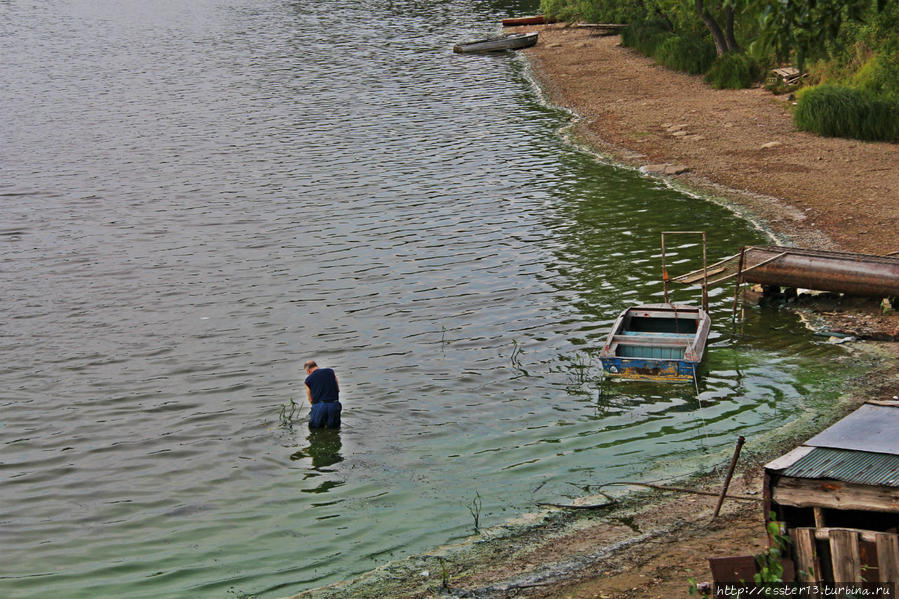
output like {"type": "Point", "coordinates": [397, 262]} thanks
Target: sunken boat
{"type": "Point", "coordinates": [659, 342]}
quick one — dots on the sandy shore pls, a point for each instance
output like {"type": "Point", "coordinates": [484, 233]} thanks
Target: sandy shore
{"type": "Point", "coordinates": [817, 192]}
{"type": "Point", "coordinates": [736, 145]}
{"type": "Point", "coordinates": [739, 146]}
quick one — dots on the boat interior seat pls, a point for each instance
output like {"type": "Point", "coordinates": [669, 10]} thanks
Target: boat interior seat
{"type": "Point", "coordinates": [656, 334]}
{"type": "Point", "coordinates": [651, 352]}
{"type": "Point", "coordinates": [652, 340]}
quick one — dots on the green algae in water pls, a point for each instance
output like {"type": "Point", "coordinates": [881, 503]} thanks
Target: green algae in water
{"type": "Point", "coordinates": [145, 455]}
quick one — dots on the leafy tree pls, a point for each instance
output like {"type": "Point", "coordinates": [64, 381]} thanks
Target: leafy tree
{"type": "Point", "coordinates": [725, 39]}
{"type": "Point", "coordinates": [807, 28]}
{"type": "Point", "coordinates": [798, 30]}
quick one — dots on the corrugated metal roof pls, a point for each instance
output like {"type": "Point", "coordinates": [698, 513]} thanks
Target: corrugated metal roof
{"type": "Point", "coordinates": [872, 427]}
{"type": "Point", "coordinates": [788, 459]}
{"type": "Point", "coordinates": [847, 465]}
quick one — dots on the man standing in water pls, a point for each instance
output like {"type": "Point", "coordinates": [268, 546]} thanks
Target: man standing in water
{"type": "Point", "coordinates": [324, 395]}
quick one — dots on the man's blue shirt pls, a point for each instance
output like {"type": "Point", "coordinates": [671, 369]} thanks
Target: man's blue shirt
{"type": "Point", "coordinates": [323, 384]}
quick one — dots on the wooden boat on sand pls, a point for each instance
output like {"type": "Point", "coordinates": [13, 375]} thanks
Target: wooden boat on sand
{"type": "Point", "coordinates": [515, 41]}
{"type": "Point", "coordinates": [532, 20]}
{"type": "Point", "coordinates": [660, 342]}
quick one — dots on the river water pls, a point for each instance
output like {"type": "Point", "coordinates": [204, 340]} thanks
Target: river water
{"type": "Point", "coordinates": [198, 196]}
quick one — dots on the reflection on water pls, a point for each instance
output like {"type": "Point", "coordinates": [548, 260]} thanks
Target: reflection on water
{"type": "Point", "coordinates": [323, 449]}
{"type": "Point", "coordinates": [200, 195]}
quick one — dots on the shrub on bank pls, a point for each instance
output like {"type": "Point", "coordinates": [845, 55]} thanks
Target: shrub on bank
{"type": "Point", "coordinates": [879, 75]}
{"type": "Point", "coordinates": [644, 37]}
{"type": "Point", "coordinates": [837, 111]}
{"type": "Point", "coordinates": [591, 11]}
{"type": "Point", "coordinates": [688, 54]}
{"type": "Point", "coordinates": [733, 71]}
{"type": "Point", "coordinates": [559, 10]}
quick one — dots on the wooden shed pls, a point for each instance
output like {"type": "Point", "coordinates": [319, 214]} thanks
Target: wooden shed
{"type": "Point", "coordinates": [837, 496]}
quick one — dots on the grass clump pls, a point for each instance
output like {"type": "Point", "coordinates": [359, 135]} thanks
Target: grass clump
{"type": "Point", "coordinates": [733, 71]}
{"type": "Point", "coordinates": [838, 111]}
{"type": "Point", "coordinates": [688, 54]}
{"type": "Point", "coordinates": [645, 37]}
{"type": "Point", "coordinates": [778, 86]}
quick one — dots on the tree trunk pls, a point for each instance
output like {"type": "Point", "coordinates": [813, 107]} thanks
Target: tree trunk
{"type": "Point", "coordinates": [713, 27]}
{"type": "Point", "coordinates": [732, 45]}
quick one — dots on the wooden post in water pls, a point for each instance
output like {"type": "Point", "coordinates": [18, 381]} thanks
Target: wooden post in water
{"type": "Point", "coordinates": [705, 277]}
{"type": "Point", "coordinates": [664, 271]}
{"type": "Point", "coordinates": [737, 283]}
{"type": "Point", "coordinates": [730, 473]}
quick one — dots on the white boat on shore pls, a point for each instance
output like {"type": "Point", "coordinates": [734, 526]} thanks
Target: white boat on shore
{"type": "Point", "coordinates": [515, 41]}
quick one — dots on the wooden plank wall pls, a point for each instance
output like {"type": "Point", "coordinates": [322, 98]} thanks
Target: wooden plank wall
{"type": "Point", "coordinates": [888, 558]}
{"type": "Point", "coordinates": [845, 555]}
{"type": "Point", "coordinates": [854, 555]}
{"type": "Point", "coordinates": [808, 566]}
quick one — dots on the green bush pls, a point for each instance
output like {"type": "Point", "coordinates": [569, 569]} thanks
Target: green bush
{"type": "Point", "coordinates": [836, 111]}
{"type": "Point", "coordinates": [644, 37]}
{"type": "Point", "coordinates": [879, 75]}
{"type": "Point", "coordinates": [609, 11]}
{"type": "Point", "coordinates": [733, 71]}
{"type": "Point", "coordinates": [688, 54]}
{"type": "Point", "coordinates": [560, 10]}
{"type": "Point", "coordinates": [593, 11]}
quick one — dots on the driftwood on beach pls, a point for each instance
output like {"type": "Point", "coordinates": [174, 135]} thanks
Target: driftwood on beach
{"type": "Point", "coordinates": [680, 490]}
{"type": "Point", "coordinates": [602, 28]}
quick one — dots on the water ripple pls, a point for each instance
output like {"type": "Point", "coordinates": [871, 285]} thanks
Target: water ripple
{"type": "Point", "coordinates": [199, 196]}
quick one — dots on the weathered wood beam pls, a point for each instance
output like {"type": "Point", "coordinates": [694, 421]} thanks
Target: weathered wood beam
{"type": "Point", "coordinates": [823, 534]}
{"type": "Point", "coordinates": [834, 494]}
{"type": "Point", "coordinates": [819, 517]}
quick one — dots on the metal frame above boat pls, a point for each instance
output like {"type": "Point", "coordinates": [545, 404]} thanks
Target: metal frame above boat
{"type": "Point", "coordinates": [660, 342]}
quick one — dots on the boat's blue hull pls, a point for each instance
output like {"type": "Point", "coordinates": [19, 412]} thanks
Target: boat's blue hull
{"type": "Point", "coordinates": [658, 342]}
{"type": "Point", "coordinates": [649, 369]}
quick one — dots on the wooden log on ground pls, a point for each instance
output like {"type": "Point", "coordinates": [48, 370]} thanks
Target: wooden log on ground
{"type": "Point", "coordinates": [602, 28]}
